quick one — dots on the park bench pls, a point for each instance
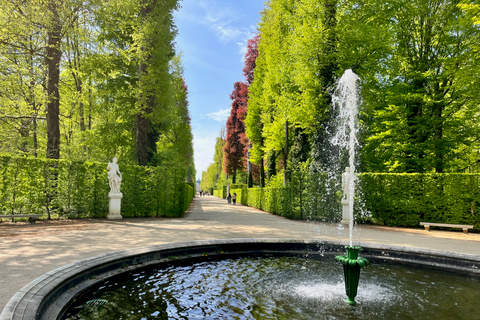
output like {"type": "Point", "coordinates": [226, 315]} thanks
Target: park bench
{"type": "Point", "coordinates": [427, 226]}
{"type": "Point", "coordinates": [31, 217]}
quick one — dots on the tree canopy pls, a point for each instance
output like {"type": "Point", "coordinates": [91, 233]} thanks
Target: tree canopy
{"type": "Point", "coordinates": [418, 62]}
{"type": "Point", "coordinates": [87, 80]}
{"type": "Point", "coordinates": [236, 144]}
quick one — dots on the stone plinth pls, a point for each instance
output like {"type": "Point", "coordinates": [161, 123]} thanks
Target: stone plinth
{"type": "Point", "coordinates": [114, 205]}
{"type": "Point", "coordinates": [345, 211]}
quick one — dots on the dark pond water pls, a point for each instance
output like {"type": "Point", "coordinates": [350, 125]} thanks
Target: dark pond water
{"type": "Point", "coordinates": [281, 288]}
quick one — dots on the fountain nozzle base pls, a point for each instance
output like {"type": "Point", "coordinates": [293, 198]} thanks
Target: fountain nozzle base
{"type": "Point", "coordinates": [352, 264]}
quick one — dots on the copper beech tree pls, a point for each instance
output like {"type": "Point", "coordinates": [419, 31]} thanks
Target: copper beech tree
{"type": "Point", "coordinates": [235, 145]}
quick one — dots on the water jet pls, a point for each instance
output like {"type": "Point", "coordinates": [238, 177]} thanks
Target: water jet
{"type": "Point", "coordinates": [345, 99]}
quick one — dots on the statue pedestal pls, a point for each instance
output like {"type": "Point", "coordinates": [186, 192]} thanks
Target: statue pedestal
{"type": "Point", "coordinates": [114, 205]}
{"type": "Point", "coordinates": [345, 212]}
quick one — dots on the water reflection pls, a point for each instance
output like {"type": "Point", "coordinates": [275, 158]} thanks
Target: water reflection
{"type": "Point", "coordinates": [282, 288]}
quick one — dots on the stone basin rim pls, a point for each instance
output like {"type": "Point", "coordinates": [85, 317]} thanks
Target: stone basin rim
{"type": "Point", "coordinates": [46, 296]}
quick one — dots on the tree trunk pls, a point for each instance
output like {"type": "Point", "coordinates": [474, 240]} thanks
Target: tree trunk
{"type": "Point", "coordinates": [438, 134]}
{"type": "Point", "coordinates": [146, 102]}
{"type": "Point", "coordinates": [90, 104]}
{"type": "Point", "coordinates": [262, 174]}
{"type": "Point", "coordinates": [35, 143]}
{"type": "Point", "coordinates": [142, 140]}
{"type": "Point", "coordinates": [322, 148]}
{"type": "Point", "coordinates": [285, 155]}
{"type": "Point", "coordinates": [415, 153]}
{"type": "Point", "coordinates": [53, 71]}
{"type": "Point", "coordinates": [249, 167]}
{"type": "Point", "coordinates": [81, 111]}
{"type": "Point", "coordinates": [271, 164]}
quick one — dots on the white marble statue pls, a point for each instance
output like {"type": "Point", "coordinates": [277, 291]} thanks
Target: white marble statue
{"type": "Point", "coordinates": [114, 176]}
{"type": "Point", "coordinates": [346, 183]}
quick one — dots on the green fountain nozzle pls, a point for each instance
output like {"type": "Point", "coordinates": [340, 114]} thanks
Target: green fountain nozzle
{"type": "Point", "coordinates": [352, 264]}
{"type": "Point", "coordinates": [352, 252]}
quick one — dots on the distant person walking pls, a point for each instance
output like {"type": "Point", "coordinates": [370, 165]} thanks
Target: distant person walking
{"type": "Point", "coordinates": [229, 198]}
{"type": "Point", "coordinates": [234, 198]}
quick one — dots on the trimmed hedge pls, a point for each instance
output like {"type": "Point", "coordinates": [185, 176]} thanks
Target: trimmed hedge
{"type": "Point", "coordinates": [384, 198]}
{"type": "Point", "coordinates": [189, 195]}
{"type": "Point", "coordinates": [407, 199]}
{"type": "Point", "coordinates": [74, 189]}
{"type": "Point", "coordinates": [307, 197]}
{"type": "Point", "coordinates": [219, 193]}
{"type": "Point", "coordinates": [222, 193]}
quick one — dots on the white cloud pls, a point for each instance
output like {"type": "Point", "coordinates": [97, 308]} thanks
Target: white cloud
{"type": "Point", "coordinates": [243, 49]}
{"type": "Point", "coordinates": [226, 32]}
{"type": "Point", "coordinates": [220, 115]}
{"type": "Point", "coordinates": [224, 21]}
{"type": "Point", "coordinates": [221, 19]}
{"type": "Point", "coordinates": [204, 150]}
{"type": "Point", "coordinates": [243, 43]}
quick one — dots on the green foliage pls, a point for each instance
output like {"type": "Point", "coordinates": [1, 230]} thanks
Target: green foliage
{"type": "Point", "coordinates": [237, 186]}
{"type": "Point", "coordinates": [389, 199]}
{"type": "Point", "coordinates": [418, 62]}
{"type": "Point", "coordinates": [215, 176]}
{"type": "Point", "coordinates": [418, 65]}
{"type": "Point", "coordinates": [294, 71]}
{"type": "Point", "coordinates": [117, 63]}
{"type": "Point", "coordinates": [407, 199]}
{"type": "Point", "coordinates": [242, 195]}
{"type": "Point", "coordinates": [62, 188]}
{"type": "Point", "coordinates": [305, 197]}
{"type": "Point", "coordinates": [189, 195]}
{"type": "Point", "coordinates": [219, 193]}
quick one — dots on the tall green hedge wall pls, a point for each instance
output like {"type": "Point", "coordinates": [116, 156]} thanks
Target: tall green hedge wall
{"type": "Point", "coordinates": [389, 199]}
{"type": "Point", "coordinates": [59, 188]}
{"type": "Point", "coordinates": [407, 199]}
{"type": "Point", "coordinates": [219, 193]}
{"type": "Point", "coordinates": [222, 193]}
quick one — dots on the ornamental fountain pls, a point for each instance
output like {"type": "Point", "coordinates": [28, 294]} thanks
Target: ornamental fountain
{"type": "Point", "coordinates": [346, 100]}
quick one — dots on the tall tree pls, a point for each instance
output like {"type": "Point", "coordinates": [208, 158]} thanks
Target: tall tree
{"type": "Point", "coordinates": [53, 56]}
{"type": "Point", "coordinates": [425, 118]}
{"type": "Point", "coordinates": [215, 175]}
{"type": "Point", "coordinates": [322, 149]}
{"type": "Point", "coordinates": [418, 62]}
{"type": "Point", "coordinates": [175, 143]}
{"type": "Point", "coordinates": [155, 49]}
{"type": "Point", "coordinates": [248, 71]}
{"type": "Point", "coordinates": [76, 65]}
{"type": "Point", "coordinates": [234, 147]}
{"type": "Point", "coordinates": [294, 73]}
{"type": "Point", "coordinates": [250, 61]}
{"type": "Point", "coordinates": [268, 106]}
{"type": "Point", "coordinates": [22, 97]}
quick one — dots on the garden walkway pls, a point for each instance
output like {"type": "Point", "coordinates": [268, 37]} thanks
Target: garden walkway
{"type": "Point", "coordinates": [27, 251]}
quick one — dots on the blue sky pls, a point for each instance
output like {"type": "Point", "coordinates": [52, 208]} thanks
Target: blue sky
{"type": "Point", "coordinates": [212, 35]}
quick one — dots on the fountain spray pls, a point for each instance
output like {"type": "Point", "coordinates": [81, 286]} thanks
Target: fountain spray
{"type": "Point", "coordinates": [345, 99]}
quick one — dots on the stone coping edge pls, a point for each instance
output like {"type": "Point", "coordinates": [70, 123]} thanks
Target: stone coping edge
{"type": "Point", "coordinates": [45, 297]}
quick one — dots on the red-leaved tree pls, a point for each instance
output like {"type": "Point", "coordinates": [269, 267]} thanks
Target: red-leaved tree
{"type": "Point", "coordinates": [235, 142]}
{"type": "Point", "coordinates": [255, 172]}
{"type": "Point", "coordinates": [251, 58]}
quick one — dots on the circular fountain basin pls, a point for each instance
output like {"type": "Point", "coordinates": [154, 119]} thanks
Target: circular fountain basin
{"type": "Point", "coordinates": [51, 295]}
